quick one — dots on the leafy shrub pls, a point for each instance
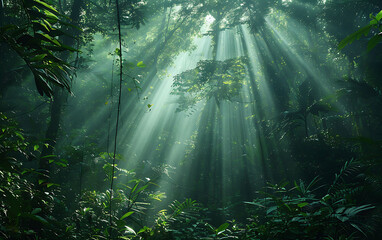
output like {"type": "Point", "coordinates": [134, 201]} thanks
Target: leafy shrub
{"type": "Point", "coordinates": [301, 213]}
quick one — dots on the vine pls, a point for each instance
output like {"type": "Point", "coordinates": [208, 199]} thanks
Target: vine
{"type": "Point", "coordinates": [118, 113]}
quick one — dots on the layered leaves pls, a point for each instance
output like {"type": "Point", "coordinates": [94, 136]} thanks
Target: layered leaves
{"type": "Point", "coordinates": [36, 42]}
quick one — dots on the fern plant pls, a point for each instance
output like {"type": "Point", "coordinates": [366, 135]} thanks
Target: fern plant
{"type": "Point", "coordinates": [183, 220]}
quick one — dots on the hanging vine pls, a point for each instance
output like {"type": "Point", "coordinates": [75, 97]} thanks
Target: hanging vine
{"type": "Point", "coordinates": [111, 105]}
{"type": "Point", "coordinates": [119, 52]}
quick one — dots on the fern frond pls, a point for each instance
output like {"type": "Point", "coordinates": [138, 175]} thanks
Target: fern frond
{"type": "Point", "coordinates": [179, 208]}
{"type": "Point", "coordinates": [350, 167]}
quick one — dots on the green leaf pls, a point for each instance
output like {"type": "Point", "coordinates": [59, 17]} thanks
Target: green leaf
{"type": "Point", "coordinates": [126, 215]}
{"type": "Point", "coordinates": [301, 205]}
{"type": "Point", "coordinates": [117, 51]}
{"type": "Point", "coordinates": [85, 210]}
{"type": "Point", "coordinates": [135, 186]}
{"type": "Point", "coordinates": [41, 181]}
{"type": "Point", "coordinates": [222, 228]}
{"type": "Point", "coordinates": [256, 204]}
{"type": "Point", "coordinates": [36, 210]}
{"type": "Point", "coordinates": [144, 229]}
{"type": "Point", "coordinates": [46, 6]}
{"type": "Point", "coordinates": [46, 37]}
{"type": "Point", "coordinates": [51, 16]}
{"type": "Point", "coordinates": [358, 228]}
{"type": "Point", "coordinates": [379, 16]}
{"type": "Point", "coordinates": [141, 64]}
{"type": "Point", "coordinates": [20, 135]}
{"type": "Point", "coordinates": [354, 36]}
{"type": "Point", "coordinates": [40, 219]}
{"type": "Point", "coordinates": [326, 197]}
{"type": "Point", "coordinates": [129, 230]}
{"type": "Point", "coordinates": [42, 26]}
{"type": "Point", "coordinates": [36, 147]}
{"type": "Point", "coordinates": [271, 209]}
{"type": "Point", "coordinates": [38, 58]}
{"type": "Point", "coordinates": [52, 184]}
{"type": "Point", "coordinates": [142, 188]}
{"type": "Point", "coordinates": [69, 228]}
{"type": "Point", "coordinates": [374, 41]}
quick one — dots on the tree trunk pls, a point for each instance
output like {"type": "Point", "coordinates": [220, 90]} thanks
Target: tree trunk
{"type": "Point", "coordinates": [60, 95]}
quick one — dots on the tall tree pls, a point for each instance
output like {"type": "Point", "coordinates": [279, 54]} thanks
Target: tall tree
{"type": "Point", "coordinates": [51, 134]}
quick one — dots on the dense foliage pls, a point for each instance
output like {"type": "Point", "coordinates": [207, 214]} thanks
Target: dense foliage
{"type": "Point", "coordinates": [202, 119]}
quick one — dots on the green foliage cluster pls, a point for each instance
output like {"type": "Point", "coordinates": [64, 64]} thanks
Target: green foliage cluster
{"type": "Point", "coordinates": [307, 211]}
{"type": "Point", "coordinates": [36, 42]}
{"type": "Point", "coordinates": [218, 80]}
{"type": "Point", "coordinates": [36, 204]}
{"type": "Point", "coordinates": [38, 210]}
{"type": "Point", "coordinates": [26, 210]}
{"type": "Point", "coordinates": [375, 23]}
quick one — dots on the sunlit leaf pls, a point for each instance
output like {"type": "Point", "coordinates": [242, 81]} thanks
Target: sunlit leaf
{"type": "Point", "coordinates": [126, 215]}
{"type": "Point", "coordinates": [47, 6]}
{"type": "Point", "coordinates": [142, 188]}
{"type": "Point", "coordinates": [144, 229]}
{"type": "Point", "coordinates": [379, 16]}
{"type": "Point", "coordinates": [141, 64]}
{"type": "Point", "coordinates": [41, 181]}
{"type": "Point", "coordinates": [117, 51]}
{"type": "Point", "coordinates": [222, 228]}
{"type": "Point", "coordinates": [20, 135]}
{"type": "Point", "coordinates": [51, 184]}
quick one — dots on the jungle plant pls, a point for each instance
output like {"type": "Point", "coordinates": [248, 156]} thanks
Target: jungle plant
{"type": "Point", "coordinates": [308, 104]}
{"type": "Point", "coordinates": [131, 200]}
{"type": "Point", "coordinates": [305, 211]}
{"type": "Point", "coordinates": [374, 24]}
{"type": "Point", "coordinates": [182, 221]}
{"type": "Point", "coordinates": [36, 41]}
{"type": "Point", "coordinates": [188, 220]}
{"type": "Point", "coordinates": [27, 211]}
